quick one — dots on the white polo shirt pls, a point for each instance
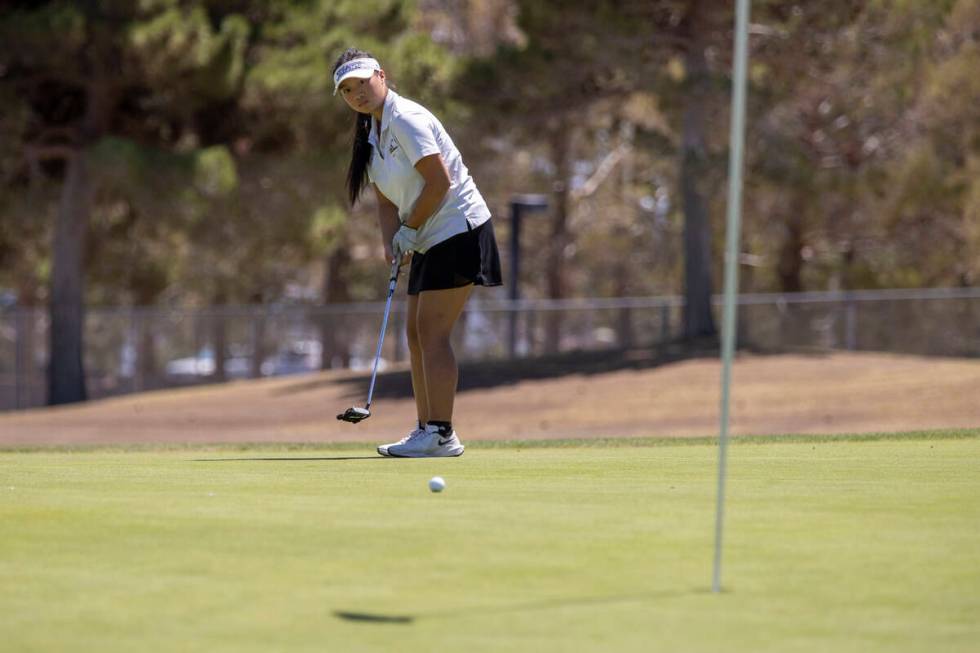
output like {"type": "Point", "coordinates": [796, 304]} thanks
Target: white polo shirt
{"type": "Point", "coordinates": [408, 133]}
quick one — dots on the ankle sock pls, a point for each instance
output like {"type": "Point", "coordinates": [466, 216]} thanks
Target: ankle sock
{"type": "Point", "coordinates": [445, 428]}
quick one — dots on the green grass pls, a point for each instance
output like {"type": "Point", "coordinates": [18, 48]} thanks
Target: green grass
{"type": "Point", "coordinates": [831, 544]}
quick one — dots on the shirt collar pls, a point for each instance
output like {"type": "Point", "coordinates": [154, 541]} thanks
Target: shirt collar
{"type": "Point", "coordinates": [390, 100]}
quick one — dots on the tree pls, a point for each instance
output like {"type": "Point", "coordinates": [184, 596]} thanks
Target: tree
{"type": "Point", "coordinates": [932, 205]}
{"type": "Point", "coordinates": [301, 135]}
{"type": "Point", "coordinates": [82, 69]}
{"type": "Point", "coordinates": [193, 147]}
{"type": "Point", "coordinates": [557, 76]}
{"type": "Point", "coordinates": [860, 144]}
{"type": "Point", "coordinates": [577, 57]}
{"type": "Point", "coordinates": [695, 30]}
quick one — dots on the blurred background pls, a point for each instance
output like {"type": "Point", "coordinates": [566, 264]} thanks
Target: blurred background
{"type": "Point", "coordinates": [172, 205]}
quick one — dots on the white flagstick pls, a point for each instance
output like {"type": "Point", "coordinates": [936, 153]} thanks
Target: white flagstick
{"type": "Point", "coordinates": [733, 227]}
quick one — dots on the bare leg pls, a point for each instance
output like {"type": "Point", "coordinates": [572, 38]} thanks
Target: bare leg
{"type": "Point", "coordinates": [415, 351]}
{"type": "Point", "coordinates": [436, 314]}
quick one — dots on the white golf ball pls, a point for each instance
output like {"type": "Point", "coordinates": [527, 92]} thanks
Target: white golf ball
{"type": "Point", "coordinates": [437, 484]}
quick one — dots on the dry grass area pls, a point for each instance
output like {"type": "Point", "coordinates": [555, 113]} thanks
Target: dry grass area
{"type": "Point", "coordinates": [834, 393]}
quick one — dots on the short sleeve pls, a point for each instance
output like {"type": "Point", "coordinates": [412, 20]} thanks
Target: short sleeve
{"type": "Point", "coordinates": [416, 134]}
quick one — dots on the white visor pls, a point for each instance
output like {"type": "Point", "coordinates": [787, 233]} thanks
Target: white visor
{"type": "Point", "coordinates": [361, 68]}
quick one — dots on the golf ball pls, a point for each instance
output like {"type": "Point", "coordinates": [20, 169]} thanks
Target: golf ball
{"type": "Point", "coordinates": [437, 484]}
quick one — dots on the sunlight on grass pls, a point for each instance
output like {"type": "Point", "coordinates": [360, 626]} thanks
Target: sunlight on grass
{"type": "Point", "coordinates": [832, 544]}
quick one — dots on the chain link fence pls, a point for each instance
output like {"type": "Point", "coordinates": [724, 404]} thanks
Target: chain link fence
{"type": "Point", "coordinates": [138, 349]}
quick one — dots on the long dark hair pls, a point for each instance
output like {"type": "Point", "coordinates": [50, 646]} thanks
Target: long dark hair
{"type": "Point", "coordinates": [361, 151]}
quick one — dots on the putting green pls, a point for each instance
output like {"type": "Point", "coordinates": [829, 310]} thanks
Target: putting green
{"type": "Point", "coordinates": [830, 545]}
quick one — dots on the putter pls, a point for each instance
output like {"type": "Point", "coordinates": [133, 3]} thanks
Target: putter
{"type": "Point", "coordinates": [355, 414]}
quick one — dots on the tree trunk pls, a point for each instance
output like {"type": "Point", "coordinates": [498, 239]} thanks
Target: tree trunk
{"type": "Point", "coordinates": [625, 323]}
{"type": "Point", "coordinates": [698, 320]}
{"type": "Point", "coordinates": [790, 266]}
{"type": "Point", "coordinates": [333, 339]}
{"type": "Point", "coordinates": [147, 373]}
{"type": "Point", "coordinates": [66, 372]}
{"type": "Point", "coordinates": [560, 237]}
{"type": "Point", "coordinates": [26, 317]}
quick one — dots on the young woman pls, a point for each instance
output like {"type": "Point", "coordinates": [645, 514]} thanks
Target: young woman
{"type": "Point", "coordinates": [430, 211]}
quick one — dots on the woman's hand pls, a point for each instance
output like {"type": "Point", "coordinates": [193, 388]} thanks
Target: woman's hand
{"type": "Point", "coordinates": [404, 240]}
{"type": "Point", "coordinates": [390, 256]}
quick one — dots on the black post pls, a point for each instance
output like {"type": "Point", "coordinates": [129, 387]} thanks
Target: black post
{"type": "Point", "coordinates": [515, 249]}
{"type": "Point", "coordinates": [518, 204]}
{"type": "Point", "coordinates": [515, 269]}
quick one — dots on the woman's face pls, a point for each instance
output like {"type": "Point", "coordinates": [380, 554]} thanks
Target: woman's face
{"type": "Point", "coordinates": [364, 95]}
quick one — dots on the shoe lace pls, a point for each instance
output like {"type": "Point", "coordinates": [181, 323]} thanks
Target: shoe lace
{"type": "Point", "coordinates": [414, 435]}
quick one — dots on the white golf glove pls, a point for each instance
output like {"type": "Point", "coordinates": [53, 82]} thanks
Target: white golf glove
{"type": "Point", "coordinates": [404, 240]}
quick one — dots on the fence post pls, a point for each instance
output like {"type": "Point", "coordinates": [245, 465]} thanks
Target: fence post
{"type": "Point", "coordinates": [664, 323]}
{"type": "Point", "coordinates": [19, 346]}
{"type": "Point", "coordinates": [136, 348]}
{"type": "Point", "coordinates": [258, 314]}
{"type": "Point", "coordinates": [625, 337]}
{"type": "Point", "coordinates": [530, 330]}
{"type": "Point", "coordinates": [850, 325]}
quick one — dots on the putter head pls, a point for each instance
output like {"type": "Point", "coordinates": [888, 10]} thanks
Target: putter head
{"type": "Point", "coordinates": [354, 415]}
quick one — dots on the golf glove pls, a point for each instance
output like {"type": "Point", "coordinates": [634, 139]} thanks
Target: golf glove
{"type": "Point", "coordinates": [404, 240]}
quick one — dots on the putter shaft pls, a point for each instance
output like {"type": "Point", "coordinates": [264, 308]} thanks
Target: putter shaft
{"type": "Point", "coordinates": [392, 281]}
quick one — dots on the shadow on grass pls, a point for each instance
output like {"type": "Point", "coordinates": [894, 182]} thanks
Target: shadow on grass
{"type": "Point", "coordinates": [496, 373]}
{"type": "Point", "coordinates": [402, 619]}
{"type": "Point", "coordinates": [373, 618]}
{"type": "Point", "coordinates": [306, 459]}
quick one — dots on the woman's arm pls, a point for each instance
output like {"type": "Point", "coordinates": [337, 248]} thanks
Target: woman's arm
{"type": "Point", "coordinates": [387, 220]}
{"type": "Point", "coordinates": [436, 178]}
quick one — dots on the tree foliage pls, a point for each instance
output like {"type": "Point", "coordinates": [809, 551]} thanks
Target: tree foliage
{"type": "Point", "coordinates": [198, 145]}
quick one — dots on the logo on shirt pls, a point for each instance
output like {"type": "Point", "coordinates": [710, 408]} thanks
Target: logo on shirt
{"type": "Point", "coordinates": [392, 147]}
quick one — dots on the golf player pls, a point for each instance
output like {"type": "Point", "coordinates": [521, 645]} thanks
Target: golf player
{"type": "Point", "coordinates": [430, 212]}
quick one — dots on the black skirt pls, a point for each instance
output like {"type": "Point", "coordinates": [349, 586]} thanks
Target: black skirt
{"type": "Point", "coordinates": [467, 258]}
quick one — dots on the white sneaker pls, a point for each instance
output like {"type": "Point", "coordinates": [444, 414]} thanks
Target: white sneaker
{"type": "Point", "coordinates": [383, 449]}
{"type": "Point", "coordinates": [427, 443]}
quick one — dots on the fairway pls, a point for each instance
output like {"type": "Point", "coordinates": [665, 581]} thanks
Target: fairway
{"type": "Point", "coordinates": [831, 544]}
